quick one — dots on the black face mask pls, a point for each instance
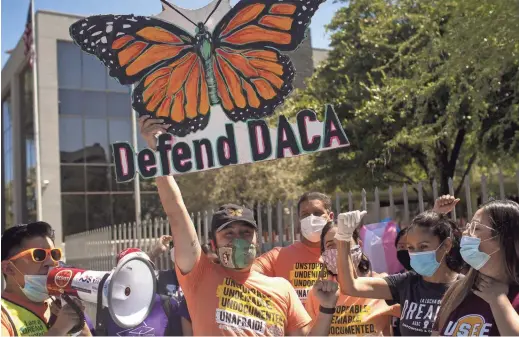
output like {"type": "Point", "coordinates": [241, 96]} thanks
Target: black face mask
{"type": "Point", "coordinates": [404, 259]}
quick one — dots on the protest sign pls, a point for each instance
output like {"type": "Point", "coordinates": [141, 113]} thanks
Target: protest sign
{"type": "Point", "coordinates": [205, 71]}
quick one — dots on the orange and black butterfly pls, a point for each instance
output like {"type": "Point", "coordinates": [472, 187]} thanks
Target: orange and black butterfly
{"type": "Point", "coordinates": [238, 65]}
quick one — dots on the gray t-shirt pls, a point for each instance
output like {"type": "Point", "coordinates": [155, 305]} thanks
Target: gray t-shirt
{"type": "Point", "coordinates": [420, 302]}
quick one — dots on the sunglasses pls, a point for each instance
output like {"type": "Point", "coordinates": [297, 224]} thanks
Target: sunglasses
{"type": "Point", "coordinates": [40, 254]}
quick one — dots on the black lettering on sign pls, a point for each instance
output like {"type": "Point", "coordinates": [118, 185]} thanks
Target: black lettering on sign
{"type": "Point", "coordinates": [147, 163]}
{"type": "Point", "coordinates": [124, 160]}
{"type": "Point", "coordinates": [286, 139]}
{"type": "Point", "coordinates": [303, 117]}
{"type": "Point", "coordinates": [181, 157]}
{"type": "Point", "coordinates": [226, 147]}
{"type": "Point", "coordinates": [333, 130]}
{"type": "Point", "coordinates": [199, 158]}
{"type": "Point", "coordinates": [163, 148]}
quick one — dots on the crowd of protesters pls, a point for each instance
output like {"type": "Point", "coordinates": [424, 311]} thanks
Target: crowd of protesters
{"type": "Point", "coordinates": [454, 282]}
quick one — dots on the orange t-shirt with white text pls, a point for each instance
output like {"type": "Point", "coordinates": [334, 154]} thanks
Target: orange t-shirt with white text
{"type": "Point", "coordinates": [355, 316]}
{"type": "Point", "coordinates": [297, 263]}
{"type": "Point", "coordinates": [232, 303]}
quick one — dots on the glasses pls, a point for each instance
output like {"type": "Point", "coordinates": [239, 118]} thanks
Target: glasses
{"type": "Point", "coordinates": [40, 254]}
{"type": "Point", "coordinates": [471, 227]}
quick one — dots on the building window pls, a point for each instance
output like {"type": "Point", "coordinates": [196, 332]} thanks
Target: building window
{"type": "Point", "coordinates": [94, 112]}
{"type": "Point", "coordinates": [29, 173]}
{"type": "Point", "coordinates": [7, 164]}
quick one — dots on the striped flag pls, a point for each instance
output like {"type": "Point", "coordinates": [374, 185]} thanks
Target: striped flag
{"type": "Point", "coordinates": [28, 37]}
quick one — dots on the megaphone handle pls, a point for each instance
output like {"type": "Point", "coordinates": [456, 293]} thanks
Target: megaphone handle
{"type": "Point", "coordinates": [100, 323]}
{"type": "Point", "coordinates": [78, 311]}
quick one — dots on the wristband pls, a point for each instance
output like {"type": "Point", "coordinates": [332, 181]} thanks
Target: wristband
{"type": "Point", "coordinates": [329, 311]}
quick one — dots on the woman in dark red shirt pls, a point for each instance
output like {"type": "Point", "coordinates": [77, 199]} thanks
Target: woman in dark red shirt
{"type": "Point", "coordinates": [486, 302]}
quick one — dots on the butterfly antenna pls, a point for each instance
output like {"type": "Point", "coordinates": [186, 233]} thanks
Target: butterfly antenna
{"type": "Point", "coordinates": [214, 10]}
{"type": "Point", "coordinates": [176, 10]}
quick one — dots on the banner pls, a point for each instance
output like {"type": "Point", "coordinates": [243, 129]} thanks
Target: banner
{"type": "Point", "coordinates": [212, 75]}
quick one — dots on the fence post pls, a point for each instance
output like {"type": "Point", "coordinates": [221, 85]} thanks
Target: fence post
{"type": "Point", "coordinates": [420, 197]}
{"type": "Point", "coordinates": [269, 225]}
{"type": "Point", "coordinates": [126, 235]}
{"type": "Point", "coordinates": [501, 185]}
{"type": "Point", "coordinates": [281, 233]}
{"type": "Point", "coordinates": [206, 226]}
{"type": "Point", "coordinates": [517, 180]}
{"type": "Point", "coordinates": [435, 190]}
{"type": "Point", "coordinates": [377, 204]}
{"type": "Point", "coordinates": [260, 225]}
{"type": "Point", "coordinates": [364, 203]}
{"type": "Point", "coordinates": [451, 192]}
{"type": "Point", "coordinates": [469, 198]}
{"type": "Point", "coordinates": [291, 232]}
{"type": "Point", "coordinates": [391, 203]}
{"type": "Point", "coordinates": [350, 201]}
{"type": "Point", "coordinates": [406, 204]}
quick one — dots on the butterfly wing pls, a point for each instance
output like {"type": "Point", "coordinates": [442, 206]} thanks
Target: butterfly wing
{"type": "Point", "coordinates": [158, 55]}
{"type": "Point", "coordinates": [252, 76]}
{"type": "Point", "coordinates": [256, 24]}
{"type": "Point", "coordinates": [130, 46]}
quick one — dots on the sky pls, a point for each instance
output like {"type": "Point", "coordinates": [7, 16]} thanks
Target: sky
{"type": "Point", "coordinates": [14, 15]}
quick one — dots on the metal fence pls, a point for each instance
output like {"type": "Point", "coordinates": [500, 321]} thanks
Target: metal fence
{"type": "Point", "coordinates": [277, 222]}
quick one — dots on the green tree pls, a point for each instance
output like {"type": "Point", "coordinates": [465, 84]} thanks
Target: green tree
{"type": "Point", "coordinates": [418, 99]}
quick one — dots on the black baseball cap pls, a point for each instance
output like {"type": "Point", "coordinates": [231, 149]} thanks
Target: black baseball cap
{"type": "Point", "coordinates": [230, 213]}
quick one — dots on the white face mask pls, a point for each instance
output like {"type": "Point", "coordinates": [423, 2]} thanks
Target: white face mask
{"type": "Point", "coordinates": [312, 226]}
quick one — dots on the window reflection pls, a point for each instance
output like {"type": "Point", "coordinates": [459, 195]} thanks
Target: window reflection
{"type": "Point", "coordinates": [97, 178]}
{"type": "Point", "coordinates": [70, 102]}
{"type": "Point", "coordinates": [72, 178]}
{"type": "Point", "coordinates": [98, 211]}
{"type": "Point", "coordinates": [97, 148]}
{"type": "Point", "coordinates": [93, 72]}
{"type": "Point", "coordinates": [73, 214]}
{"type": "Point", "coordinates": [7, 165]}
{"type": "Point", "coordinates": [94, 103]}
{"type": "Point", "coordinates": [71, 139]}
{"type": "Point", "coordinates": [69, 65]}
{"type": "Point", "coordinates": [119, 105]}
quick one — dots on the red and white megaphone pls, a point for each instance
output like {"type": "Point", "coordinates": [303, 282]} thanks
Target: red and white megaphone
{"type": "Point", "coordinates": [128, 291]}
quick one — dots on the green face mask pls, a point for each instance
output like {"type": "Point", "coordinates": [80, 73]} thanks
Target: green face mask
{"type": "Point", "coordinates": [239, 255]}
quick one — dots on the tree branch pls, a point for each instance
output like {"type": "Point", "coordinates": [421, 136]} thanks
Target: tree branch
{"type": "Point", "coordinates": [456, 149]}
{"type": "Point", "coordinates": [420, 157]}
{"type": "Point", "coordinates": [467, 170]}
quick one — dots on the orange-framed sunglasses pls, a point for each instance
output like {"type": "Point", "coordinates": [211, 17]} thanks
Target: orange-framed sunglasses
{"type": "Point", "coordinates": [41, 254]}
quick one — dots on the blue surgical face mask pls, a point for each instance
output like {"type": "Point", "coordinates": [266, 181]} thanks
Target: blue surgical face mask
{"type": "Point", "coordinates": [424, 263]}
{"type": "Point", "coordinates": [469, 249]}
{"type": "Point", "coordinates": [35, 288]}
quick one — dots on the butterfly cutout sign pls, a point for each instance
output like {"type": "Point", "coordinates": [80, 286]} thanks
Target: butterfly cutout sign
{"type": "Point", "coordinates": [179, 76]}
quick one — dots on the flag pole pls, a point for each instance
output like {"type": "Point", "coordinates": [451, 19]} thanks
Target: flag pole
{"type": "Point", "coordinates": [36, 115]}
{"type": "Point", "coordinates": [137, 179]}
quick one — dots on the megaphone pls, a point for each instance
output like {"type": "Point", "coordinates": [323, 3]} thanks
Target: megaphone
{"type": "Point", "coordinates": [128, 291]}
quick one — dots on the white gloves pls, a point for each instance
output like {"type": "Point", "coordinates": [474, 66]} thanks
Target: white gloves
{"type": "Point", "coordinates": [347, 222]}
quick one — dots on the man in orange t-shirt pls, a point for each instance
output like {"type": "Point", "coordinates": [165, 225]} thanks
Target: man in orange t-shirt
{"type": "Point", "coordinates": [300, 262]}
{"type": "Point", "coordinates": [229, 298]}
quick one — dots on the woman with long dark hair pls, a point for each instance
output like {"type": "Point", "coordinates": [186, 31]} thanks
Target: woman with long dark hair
{"type": "Point", "coordinates": [433, 245]}
{"type": "Point", "coordinates": [353, 315]}
{"type": "Point", "coordinates": [486, 301]}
